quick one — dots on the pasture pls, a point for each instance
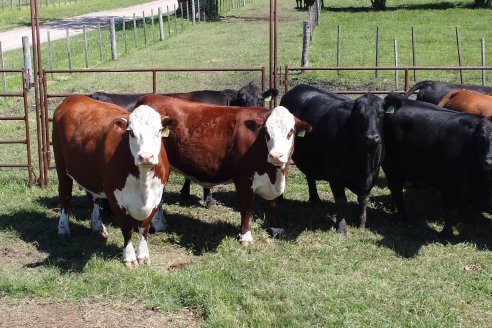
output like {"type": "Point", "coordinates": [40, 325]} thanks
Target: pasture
{"type": "Point", "coordinates": [392, 274]}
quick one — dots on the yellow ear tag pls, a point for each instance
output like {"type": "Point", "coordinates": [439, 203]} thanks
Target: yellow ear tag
{"type": "Point", "coordinates": [268, 98]}
{"type": "Point", "coordinates": [165, 133]}
{"type": "Point", "coordinates": [301, 133]}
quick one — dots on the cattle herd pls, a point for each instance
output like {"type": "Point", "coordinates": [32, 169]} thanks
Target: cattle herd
{"type": "Point", "coordinates": [121, 148]}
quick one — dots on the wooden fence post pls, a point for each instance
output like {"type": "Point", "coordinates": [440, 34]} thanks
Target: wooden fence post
{"type": "Point", "coordinates": [459, 52]}
{"type": "Point", "coordinates": [145, 27]}
{"type": "Point", "coordinates": [112, 37]}
{"type": "Point", "coordinates": [125, 36]}
{"type": "Point", "coordinates": [161, 25]}
{"type": "Point", "coordinates": [50, 55]}
{"type": "Point", "coordinates": [100, 41]}
{"type": "Point", "coordinates": [305, 44]}
{"type": "Point", "coordinates": [193, 11]}
{"type": "Point", "coordinates": [27, 60]}
{"type": "Point", "coordinates": [168, 22]}
{"type": "Point", "coordinates": [69, 50]}
{"type": "Point", "coordinates": [182, 20]}
{"type": "Point", "coordinates": [135, 31]}
{"type": "Point", "coordinates": [152, 24]}
{"type": "Point", "coordinates": [187, 13]}
{"type": "Point", "coordinates": [175, 19]}
{"type": "Point", "coordinates": [199, 10]}
{"type": "Point", "coordinates": [2, 66]}
{"type": "Point", "coordinates": [86, 56]}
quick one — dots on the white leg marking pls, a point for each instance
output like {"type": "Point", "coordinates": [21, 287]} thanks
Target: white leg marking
{"type": "Point", "coordinates": [63, 228]}
{"type": "Point", "coordinates": [96, 223]}
{"type": "Point", "coordinates": [277, 231]}
{"type": "Point", "coordinates": [159, 222]}
{"type": "Point", "coordinates": [129, 257]}
{"type": "Point", "coordinates": [246, 238]}
{"type": "Point", "coordinates": [143, 254]}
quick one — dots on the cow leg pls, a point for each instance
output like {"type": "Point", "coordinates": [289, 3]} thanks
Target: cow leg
{"type": "Point", "coordinates": [341, 204]}
{"type": "Point", "coordinates": [313, 191]}
{"type": "Point", "coordinates": [207, 197]}
{"type": "Point", "coordinates": [245, 197]}
{"type": "Point", "coordinates": [96, 222]}
{"type": "Point", "coordinates": [159, 222]}
{"type": "Point", "coordinates": [65, 184]}
{"type": "Point", "coordinates": [396, 188]}
{"type": "Point", "coordinates": [184, 193]}
{"type": "Point", "coordinates": [450, 215]}
{"type": "Point", "coordinates": [362, 200]}
{"type": "Point", "coordinates": [275, 225]}
{"type": "Point", "coordinates": [129, 256]}
{"type": "Point", "coordinates": [143, 255]}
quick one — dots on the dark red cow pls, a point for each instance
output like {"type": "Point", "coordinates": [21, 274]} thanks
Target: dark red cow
{"type": "Point", "coordinates": [250, 147]}
{"type": "Point", "coordinates": [467, 101]}
{"type": "Point", "coordinates": [115, 155]}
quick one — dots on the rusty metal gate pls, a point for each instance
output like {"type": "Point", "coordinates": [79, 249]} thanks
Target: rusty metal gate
{"type": "Point", "coordinates": [25, 118]}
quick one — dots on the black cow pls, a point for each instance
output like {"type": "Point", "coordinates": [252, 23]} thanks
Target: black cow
{"type": "Point", "coordinates": [247, 96]}
{"type": "Point", "coordinates": [433, 91]}
{"type": "Point", "coordinates": [447, 150]}
{"type": "Point", "coordinates": [344, 148]}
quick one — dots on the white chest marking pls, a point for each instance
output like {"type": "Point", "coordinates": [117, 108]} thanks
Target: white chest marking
{"type": "Point", "coordinates": [141, 195]}
{"type": "Point", "coordinates": [263, 187]}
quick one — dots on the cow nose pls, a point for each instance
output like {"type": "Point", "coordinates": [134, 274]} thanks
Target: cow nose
{"type": "Point", "coordinates": [146, 158]}
{"type": "Point", "coordinates": [373, 139]}
{"type": "Point", "coordinates": [276, 158]}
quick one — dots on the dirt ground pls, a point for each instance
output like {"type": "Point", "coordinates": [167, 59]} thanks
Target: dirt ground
{"type": "Point", "coordinates": [41, 312]}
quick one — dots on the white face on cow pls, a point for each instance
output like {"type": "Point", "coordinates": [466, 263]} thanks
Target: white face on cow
{"type": "Point", "coordinates": [144, 127]}
{"type": "Point", "coordinates": [280, 128]}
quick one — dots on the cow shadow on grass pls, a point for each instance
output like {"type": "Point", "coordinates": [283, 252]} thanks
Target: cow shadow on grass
{"type": "Point", "coordinates": [40, 229]}
{"type": "Point", "coordinates": [425, 6]}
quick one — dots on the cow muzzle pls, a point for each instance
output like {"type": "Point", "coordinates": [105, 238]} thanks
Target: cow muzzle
{"type": "Point", "coordinates": [277, 158]}
{"type": "Point", "coordinates": [373, 139]}
{"type": "Point", "coordinates": [146, 159]}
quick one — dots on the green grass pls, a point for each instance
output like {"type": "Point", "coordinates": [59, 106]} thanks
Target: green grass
{"type": "Point", "coordinates": [393, 274]}
{"type": "Point", "coordinates": [17, 18]}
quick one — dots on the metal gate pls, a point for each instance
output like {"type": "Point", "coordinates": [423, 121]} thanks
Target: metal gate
{"type": "Point", "coordinates": [25, 118]}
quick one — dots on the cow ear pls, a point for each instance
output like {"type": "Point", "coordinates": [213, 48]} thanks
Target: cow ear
{"type": "Point", "coordinates": [120, 124]}
{"type": "Point", "coordinates": [302, 128]}
{"type": "Point", "coordinates": [253, 125]}
{"type": "Point", "coordinates": [168, 124]}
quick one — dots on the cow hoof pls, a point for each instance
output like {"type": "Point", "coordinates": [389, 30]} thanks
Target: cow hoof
{"type": "Point", "coordinates": [131, 264]}
{"type": "Point", "coordinates": [275, 232]}
{"type": "Point", "coordinates": [343, 231]}
{"type": "Point", "coordinates": [211, 203]}
{"type": "Point", "coordinates": [245, 239]}
{"type": "Point", "coordinates": [143, 261]}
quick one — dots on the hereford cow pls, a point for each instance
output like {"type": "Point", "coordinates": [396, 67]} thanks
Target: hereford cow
{"type": "Point", "coordinates": [433, 91]}
{"type": "Point", "coordinates": [446, 150]}
{"type": "Point", "coordinates": [247, 96]}
{"type": "Point", "coordinates": [344, 148]}
{"type": "Point", "coordinates": [115, 155]}
{"type": "Point", "coordinates": [467, 101]}
{"type": "Point", "coordinates": [250, 147]}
